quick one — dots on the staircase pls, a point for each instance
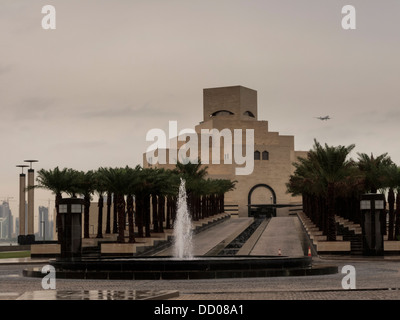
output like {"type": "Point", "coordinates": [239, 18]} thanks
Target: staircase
{"type": "Point", "coordinates": [91, 252]}
{"type": "Point", "coordinates": [350, 232]}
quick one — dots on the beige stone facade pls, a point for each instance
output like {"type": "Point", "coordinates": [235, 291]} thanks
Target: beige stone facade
{"type": "Point", "coordinates": [236, 108]}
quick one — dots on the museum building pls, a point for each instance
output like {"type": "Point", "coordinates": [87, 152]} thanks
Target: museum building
{"type": "Point", "coordinates": [267, 168]}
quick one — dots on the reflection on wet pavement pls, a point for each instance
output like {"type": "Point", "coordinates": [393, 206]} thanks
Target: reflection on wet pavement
{"type": "Point", "coordinates": [99, 295]}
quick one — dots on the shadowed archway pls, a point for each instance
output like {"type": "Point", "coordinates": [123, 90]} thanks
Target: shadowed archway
{"type": "Point", "coordinates": [261, 185]}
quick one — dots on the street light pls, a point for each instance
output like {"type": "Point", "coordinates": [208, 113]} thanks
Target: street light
{"type": "Point", "coordinates": [31, 202]}
{"type": "Point", "coordinates": [70, 210]}
{"type": "Point", "coordinates": [21, 234]}
{"type": "Point", "coordinates": [372, 206]}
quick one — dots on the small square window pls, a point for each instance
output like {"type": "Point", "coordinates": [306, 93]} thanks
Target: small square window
{"type": "Point", "coordinates": [379, 204]}
{"type": "Point", "coordinates": [365, 205]}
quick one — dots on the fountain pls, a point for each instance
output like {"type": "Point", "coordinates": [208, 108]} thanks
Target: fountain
{"type": "Point", "coordinates": [183, 265]}
{"type": "Point", "coordinates": [183, 227]}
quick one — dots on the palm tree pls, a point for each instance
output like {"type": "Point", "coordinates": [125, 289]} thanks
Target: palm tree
{"type": "Point", "coordinates": [391, 177]}
{"type": "Point", "coordinates": [117, 181]}
{"type": "Point", "coordinates": [192, 173]}
{"type": "Point", "coordinates": [142, 199]}
{"type": "Point", "coordinates": [133, 184]}
{"type": "Point", "coordinates": [58, 182]}
{"type": "Point", "coordinates": [161, 183]}
{"type": "Point", "coordinates": [85, 184]}
{"type": "Point", "coordinates": [100, 188]}
{"type": "Point", "coordinates": [321, 174]}
{"type": "Point", "coordinates": [397, 212]}
{"type": "Point", "coordinates": [224, 186]}
{"type": "Point", "coordinates": [374, 169]}
{"type": "Point", "coordinates": [108, 214]}
{"type": "Point", "coordinates": [306, 182]}
{"type": "Point", "coordinates": [191, 170]}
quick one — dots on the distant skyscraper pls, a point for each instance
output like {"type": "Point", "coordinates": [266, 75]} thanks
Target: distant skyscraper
{"type": "Point", "coordinates": [6, 221]}
{"type": "Point", "coordinates": [44, 224]}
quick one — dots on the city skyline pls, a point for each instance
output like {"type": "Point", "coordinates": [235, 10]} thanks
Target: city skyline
{"type": "Point", "coordinates": [43, 221]}
{"type": "Point", "coordinates": [85, 95]}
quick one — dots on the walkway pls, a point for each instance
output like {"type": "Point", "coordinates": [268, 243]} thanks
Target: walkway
{"type": "Point", "coordinates": [282, 234]}
{"type": "Point", "coordinates": [206, 240]}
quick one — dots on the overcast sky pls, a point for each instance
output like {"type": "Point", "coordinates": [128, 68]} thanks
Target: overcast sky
{"type": "Point", "coordinates": [85, 95]}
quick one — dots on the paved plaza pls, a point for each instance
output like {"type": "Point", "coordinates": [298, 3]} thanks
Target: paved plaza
{"type": "Point", "coordinates": [376, 278]}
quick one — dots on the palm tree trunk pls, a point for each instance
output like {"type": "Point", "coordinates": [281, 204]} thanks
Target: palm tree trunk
{"type": "Point", "coordinates": [147, 215]}
{"type": "Point", "coordinates": [331, 212]}
{"type": "Point", "coordinates": [155, 212]}
{"type": "Point", "coordinates": [161, 213]}
{"type": "Point", "coordinates": [121, 218]}
{"type": "Point", "coordinates": [115, 214]}
{"type": "Point", "coordinates": [58, 218]}
{"type": "Point", "coordinates": [100, 218]}
{"type": "Point", "coordinates": [139, 214]}
{"type": "Point", "coordinates": [86, 217]}
{"type": "Point", "coordinates": [129, 209]}
{"type": "Point", "coordinates": [203, 206]}
{"type": "Point", "coordinates": [391, 200]}
{"type": "Point", "coordinates": [108, 222]}
{"type": "Point", "coordinates": [397, 225]}
{"type": "Point", "coordinates": [169, 212]}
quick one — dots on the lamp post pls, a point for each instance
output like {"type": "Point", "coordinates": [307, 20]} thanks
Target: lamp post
{"type": "Point", "coordinates": [21, 234]}
{"type": "Point", "coordinates": [372, 206]}
{"type": "Point", "coordinates": [70, 210]}
{"type": "Point", "coordinates": [31, 202]}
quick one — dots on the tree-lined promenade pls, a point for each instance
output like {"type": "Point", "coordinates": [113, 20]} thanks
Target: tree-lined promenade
{"type": "Point", "coordinates": [135, 194]}
{"type": "Point", "coordinates": [331, 184]}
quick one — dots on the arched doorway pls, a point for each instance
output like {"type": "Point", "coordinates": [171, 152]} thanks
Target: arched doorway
{"type": "Point", "coordinates": [261, 201]}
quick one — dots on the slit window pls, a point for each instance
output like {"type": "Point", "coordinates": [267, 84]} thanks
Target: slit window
{"type": "Point", "coordinates": [249, 113]}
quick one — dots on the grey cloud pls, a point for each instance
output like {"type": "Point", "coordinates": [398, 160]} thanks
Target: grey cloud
{"type": "Point", "coordinates": [5, 69]}
{"type": "Point", "coordinates": [126, 111]}
{"type": "Point", "coordinates": [34, 108]}
{"type": "Point", "coordinates": [92, 144]}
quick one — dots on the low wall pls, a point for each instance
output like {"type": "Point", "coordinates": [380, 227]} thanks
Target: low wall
{"type": "Point", "coordinates": [45, 250]}
{"type": "Point", "coordinates": [332, 247]}
{"type": "Point", "coordinates": [25, 247]}
{"type": "Point", "coordinates": [391, 247]}
{"type": "Point", "coordinates": [121, 249]}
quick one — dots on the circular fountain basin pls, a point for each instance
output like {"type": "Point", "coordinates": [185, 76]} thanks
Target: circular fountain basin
{"type": "Point", "coordinates": [157, 268]}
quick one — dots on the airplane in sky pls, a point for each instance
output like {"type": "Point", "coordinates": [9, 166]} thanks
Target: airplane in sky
{"type": "Point", "coordinates": [323, 118]}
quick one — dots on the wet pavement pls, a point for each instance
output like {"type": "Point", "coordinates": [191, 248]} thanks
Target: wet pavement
{"type": "Point", "coordinates": [205, 241]}
{"type": "Point", "coordinates": [281, 237]}
{"type": "Point", "coordinates": [99, 295]}
{"type": "Point", "coordinates": [376, 278]}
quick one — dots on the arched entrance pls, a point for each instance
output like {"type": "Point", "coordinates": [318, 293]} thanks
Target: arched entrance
{"type": "Point", "coordinates": [263, 205]}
